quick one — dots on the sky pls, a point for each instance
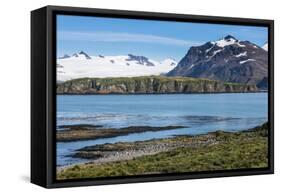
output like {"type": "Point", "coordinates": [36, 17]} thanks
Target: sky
{"type": "Point", "coordinates": [157, 40]}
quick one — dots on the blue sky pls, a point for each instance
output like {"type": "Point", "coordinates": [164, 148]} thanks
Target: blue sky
{"type": "Point", "coordinates": [155, 39]}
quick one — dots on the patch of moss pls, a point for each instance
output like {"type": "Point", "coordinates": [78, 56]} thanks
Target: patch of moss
{"type": "Point", "coordinates": [247, 149]}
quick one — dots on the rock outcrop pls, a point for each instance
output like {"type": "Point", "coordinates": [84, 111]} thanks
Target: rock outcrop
{"type": "Point", "coordinates": [149, 85]}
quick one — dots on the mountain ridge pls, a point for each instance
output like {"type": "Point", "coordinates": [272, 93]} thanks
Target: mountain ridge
{"type": "Point", "coordinates": [227, 59]}
{"type": "Point", "coordinates": [83, 65]}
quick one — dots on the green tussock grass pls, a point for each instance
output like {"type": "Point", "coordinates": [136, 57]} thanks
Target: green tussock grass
{"type": "Point", "coordinates": [230, 151]}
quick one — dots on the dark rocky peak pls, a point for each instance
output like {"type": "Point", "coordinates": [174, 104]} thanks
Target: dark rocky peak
{"type": "Point", "coordinates": [209, 47]}
{"type": "Point", "coordinates": [140, 60]}
{"type": "Point", "coordinates": [85, 54]}
{"type": "Point", "coordinates": [65, 56]}
{"type": "Point", "coordinates": [229, 37]}
{"type": "Point", "coordinates": [228, 60]}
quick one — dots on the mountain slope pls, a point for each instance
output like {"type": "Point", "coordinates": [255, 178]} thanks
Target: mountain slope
{"type": "Point", "coordinates": [228, 60]}
{"type": "Point", "coordinates": [265, 46]}
{"type": "Point", "coordinates": [81, 65]}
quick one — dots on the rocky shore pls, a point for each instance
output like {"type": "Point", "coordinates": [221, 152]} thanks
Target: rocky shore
{"type": "Point", "coordinates": [217, 150]}
{"type": "Point", "coordinates": [129, 150]}
{"type": "Point", "coordinates": [150, 85]}
{"type": "Point", "coordinates": [91, 132]}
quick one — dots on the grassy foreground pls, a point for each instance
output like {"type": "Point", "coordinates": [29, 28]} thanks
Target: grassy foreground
{"type": "Point", "coordinates": [246, 149]}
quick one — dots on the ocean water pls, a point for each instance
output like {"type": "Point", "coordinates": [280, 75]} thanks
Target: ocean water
{"type": "Point", "coordinates": [200, 113]}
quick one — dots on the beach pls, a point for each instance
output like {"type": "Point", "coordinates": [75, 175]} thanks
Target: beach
{"type": "Point", "coordinates": [212, 151]}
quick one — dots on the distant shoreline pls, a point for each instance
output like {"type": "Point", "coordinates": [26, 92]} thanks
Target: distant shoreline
{"type": "Point", "coordinates": [150, 85]}
{"type": "Point", "coordinates": [73, 133]}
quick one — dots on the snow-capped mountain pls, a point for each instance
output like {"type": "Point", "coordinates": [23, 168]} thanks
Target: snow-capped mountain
{"type": "Point", "coordinates": [227, 59]}
{"type": "Point", "coordinates": [82, 65]}
{"type": "Point", "coordinates": [265, 46]}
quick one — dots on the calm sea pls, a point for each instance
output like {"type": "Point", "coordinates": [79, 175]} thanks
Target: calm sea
{"type": "Point", "coordinates": [200, 113]}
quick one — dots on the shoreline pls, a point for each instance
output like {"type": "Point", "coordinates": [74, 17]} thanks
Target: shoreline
{"type": "Point", "coordinates": [142, 152]}
{"type": "Point", "coordinates": [92, 132]}
{"type": "Point", "coordinates": [150, 84]}
{"type": "Point", "coordinates": [128, 150]}
{"type": "Point", "coordinates": [122, 151]}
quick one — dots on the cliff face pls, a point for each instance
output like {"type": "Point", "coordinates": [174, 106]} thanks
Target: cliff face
{"type": "Point", "coordinates": [149, 85]}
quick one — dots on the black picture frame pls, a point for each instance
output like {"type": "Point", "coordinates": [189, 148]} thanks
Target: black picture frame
{"type": "Point", "coordinates": [43, 94]}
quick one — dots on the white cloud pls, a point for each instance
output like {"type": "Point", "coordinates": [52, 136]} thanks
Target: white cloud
{"type": "Point", "coordinates": [123, 37]}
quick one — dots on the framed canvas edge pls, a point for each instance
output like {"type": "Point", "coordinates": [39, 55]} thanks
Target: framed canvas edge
{"type": "Point", "coordinates": [51, 95]}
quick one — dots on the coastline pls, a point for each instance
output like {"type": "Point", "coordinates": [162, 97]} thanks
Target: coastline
{"type": "Point", "coordinates": [149, 84]}
{"type": "Point", "coordinates": [93, 132]}
{"type": "Point", "coordinates": [175, 154]}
